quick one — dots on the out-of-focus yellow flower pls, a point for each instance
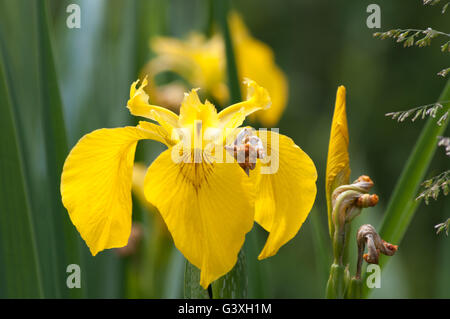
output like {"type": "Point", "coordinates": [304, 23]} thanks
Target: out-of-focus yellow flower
{"type": "Point", "coordinates": [139, 172]}
{"type": "Point", "coordinates": [338, 163]}
{"type": "Point", "coordinates": [202, 63]}
{"type": "Point", "coordinates": [255, 60]}
{"type": "Point", "coordinates": [199, 60]}
{"type": "Point", "coordinates": [208, 204]}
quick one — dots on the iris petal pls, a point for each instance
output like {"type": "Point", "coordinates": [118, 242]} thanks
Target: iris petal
{"type": "Point", "coordinates": [257, 98]}
{"type": "Point", "coordinates": [208, 209]}
{"type": "Point", "coordinates": [96, 185]}
{"type": "Point", "coordinates": [285, 191]}
{"type": "Point", "coordinates": [138, 106]}
{"type": "Point", "coordinates": [338, 162]}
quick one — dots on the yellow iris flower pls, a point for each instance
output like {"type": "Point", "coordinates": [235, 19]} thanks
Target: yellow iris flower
{"type": "Point", "coordinates": [338, 162]}
{"type": "Point", "coordinates": [202, 62]}
{"type": "Point", "coordinates": [208, 205]}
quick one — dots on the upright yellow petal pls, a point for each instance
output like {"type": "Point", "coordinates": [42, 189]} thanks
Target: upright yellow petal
{"type": "Point", "coordinates": [138, 106]}
{"type": "Point", "coordinates": [338, 163]}
{"type": "Point", "coordinates": [96, 185]}
{"type": "Point", "coordinates": [257, 98]}
{"type": "Point", "coordinates": [192, 109]}
{"type": "Point", "coordinates": [285, 190]}
{"type": "Point", "coordinates": [208, 209]}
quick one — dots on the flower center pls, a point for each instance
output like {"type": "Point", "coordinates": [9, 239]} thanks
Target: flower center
{"type": "Point", "coordinates": [246, 148]}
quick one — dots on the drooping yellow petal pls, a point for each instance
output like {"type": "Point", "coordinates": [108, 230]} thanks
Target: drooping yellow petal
{"type": "Point", "coordinates": [208, 209]}
{"type": "Point", "coordinates": [257, 98]}
{"type": "Point", "coordinates": [255, 60]}
{"type": "Point", "coordinates": [138, 106]}
{"type": "Point", "coordinates": [96, 185]}
{"type": "Point", "coordinates": [338, 162]}
{"type": "Point", "coordinates": [285, 190]}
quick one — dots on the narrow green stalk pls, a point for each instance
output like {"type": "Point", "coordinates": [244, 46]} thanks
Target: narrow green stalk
{"type": "Point", "coordinates": [209, 28]}
{"type": "Point", "coordinates": [56, 150]}
{"type": "Point", "coordinates": [321, 249]}
{"type": "Point", "coordinates": [403, 203]}
{"type": "Point", "coordinates": [222, 8]}
{"type": "Point", "coordinates": [339, 274]}
{"type": "Point", "coordinates": [192, 288]}
{"type": "Point", "coordinates": [338, 282]}
{"type": "Point", "coordinates": [355, 289]}
{"type": "Point", "coordinates": [234, 284]}
{"type": "Point", "coordinates": [20, 275]}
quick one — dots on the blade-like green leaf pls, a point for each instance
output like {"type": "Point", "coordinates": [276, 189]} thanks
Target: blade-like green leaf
{"type": "Point", "coordinates": [21, 74]}
{"type": "Point", "coordinates": [403, 203]}
{"type": "Point", "coordinates": [174, 276]}
{"type": "Point", "coordinates": [222, 8]}
{"type": "Point", "coordinates": [192, 288]}
{"type": "Point", "coordinates": [234, 284]}
{"type": "Point", "coordinates": [20, 275]}
{"type": "Point", "coordinates": [56, 151]}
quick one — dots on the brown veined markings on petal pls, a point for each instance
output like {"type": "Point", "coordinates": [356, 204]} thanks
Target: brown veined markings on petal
{"type": "Point", "coordinates": [196, 173]}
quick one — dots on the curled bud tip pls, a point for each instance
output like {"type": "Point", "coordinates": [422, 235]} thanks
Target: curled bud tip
{"type": "Point", "coordinates": [371, 259]}
{"type": "Point", "coordinates": [390, 247]}
{"type": "Point", "coordinates": [367, 200]}
{"type": "Point", "coordinates": [364, 178]}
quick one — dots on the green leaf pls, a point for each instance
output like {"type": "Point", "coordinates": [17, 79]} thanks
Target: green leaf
{"type": "Point", "coordinates": [403, 203]}
{"type": "Point", "coordinates": [192, 288]}
{"type": "Point", "coordinates": [20, 275]}
{"type": "Point", "coordinates": [235, 283]}
{"type": "Point", "coordinates": [18, 34]}
{"type": "Point", "coordinates": [222, 9]}
{"type": "Point", "coordinates": [97, 65]}
{"type": "Point", "coordinates": [322, 252]}
{"type": "Point", "coordinates": [150, 21]}
{"type": "Point", "coordinates": [174, 276]}
{"type": "Point", "coordinates": [67, 244]}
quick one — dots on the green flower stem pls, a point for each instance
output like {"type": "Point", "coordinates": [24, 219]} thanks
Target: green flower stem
{"type": "Point", "coordinates": [234, 284]}
{"type": "Point", "coordinates": [221, 9]}
{"type": "Point", "coordinates": [339, 275]}
{"type": "Point", "coordinates": [402, 205]}
{"type": "Point", "coordinates": [20, 274]}
{"type": "Point", "coordinates": [67, 241]}
{"type": "Point", "coordinates": [192, 288]}
{"type": "Point", "coordinates": [355, 289]}
{"type": "Point", "coordinates": [341, 227]}
{"type": "Point", "coordinates": [338, 282]}
{"type": "Point", "coordinates": [322, 251]}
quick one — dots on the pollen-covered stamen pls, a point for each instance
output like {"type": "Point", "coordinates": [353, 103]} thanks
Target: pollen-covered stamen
{"type": "Point", "coordinates": [246, 148]}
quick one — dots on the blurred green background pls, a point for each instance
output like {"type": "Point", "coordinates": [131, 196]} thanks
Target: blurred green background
{"type": "Point", "coordinates": [319, 45]}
